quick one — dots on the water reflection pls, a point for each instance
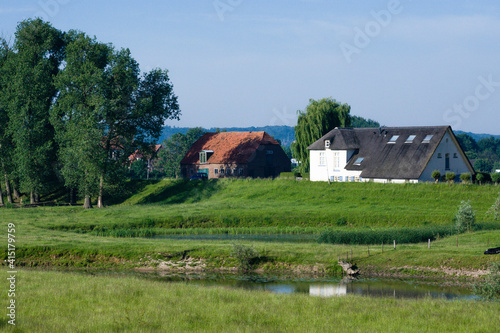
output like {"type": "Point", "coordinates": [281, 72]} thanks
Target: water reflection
{"type": "Point", "coordinates": [334, 287]}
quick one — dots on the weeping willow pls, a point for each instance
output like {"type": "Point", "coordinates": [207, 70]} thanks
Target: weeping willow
{"type": "Point", "coordinates": [319, 118]}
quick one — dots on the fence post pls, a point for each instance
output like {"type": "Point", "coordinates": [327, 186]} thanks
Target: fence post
{"type": "Point", "coordinates": [351, 253]}
{"type": "Point", "coordinates": [382, 247]}
{"type": "Point", "coordinates": [368, 250]}
{"type": "Point", "coordinates": [429, 246]}
{"type": "Point", "coordinates": [457, 241]}
{"type": "Point", "coordinates": [394, 244]}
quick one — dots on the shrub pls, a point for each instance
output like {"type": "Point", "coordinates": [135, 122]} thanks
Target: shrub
{"type": "Point", "coordinates": [436, 175]}
{"type": "Point", "coordinates": [450, 177]}
{"type": "Point", "coordinates": [490, 287]}
{"type": "Point", "coordinates": [495, 209]}
{"type": "Point", "coordinates": [495, 177]}
{"type": "Point", "coordinates": [483, 178]}
{"type": "Point", "coordinates": [245, 256]}
{"type": "Point", "coordinates": [465, 217]}
{"type": "Point", "coordinates": [465, 178]}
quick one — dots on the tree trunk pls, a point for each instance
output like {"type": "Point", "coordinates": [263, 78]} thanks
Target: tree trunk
{"type": "Point", "coordinates": [32, 197]}
{"type": "Point", "coordinates": [7, 190]}
{"type": "Point", "coordinates": [101, 189]}
{"type": "Point", "coordinates": [72, 196]}
{"type": "Point", "coordinates": [87, 204]}
{"type": "Point", "coordinates": [37, 197]}
{"type": "Point", "coordinates": [1, 196]}
{"type": "Point", "coordinates": [16, 192]}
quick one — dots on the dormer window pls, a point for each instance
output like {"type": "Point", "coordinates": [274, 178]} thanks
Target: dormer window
{"type": "Point", "coordinates": [410, 139]}
{"type": "Point", "coordinates": [205, 155]}
{"type": "Point", "coordinates": [327, 143]}
{"type": "Point", "coordinates": [393, 139]}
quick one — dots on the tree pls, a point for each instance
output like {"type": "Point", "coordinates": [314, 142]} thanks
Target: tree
{"type": "Point", "coordinates": [468, 144]}
{"type": "Point", "coordinates": [114, 110]}
{"type": "Point", "coordinates": [466, 178]}
{"type": "Point", "coordinates": [174, 149]}
{"type": "Point", "coordinates": [78, 113]}
{"type": "Point", "coordinates": [319, 118]}
{"type": "Point", "coordinates": [38, 52]}
{"type": "Point", "coordinates": [465, 218]}
{"type": "Point", "coordinates": [483, 165]}
{"type": "Point", "coordinates": [450, 177]}
{"type": "Point", "coordinates": [359, 122]}
{"type": "Point", "coordinates": [436, 174]}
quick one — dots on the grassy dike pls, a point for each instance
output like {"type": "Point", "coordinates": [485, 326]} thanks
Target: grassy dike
{"type": "Point", "coordinates": [69, 302]}
{"type": "Point", "coordinates": [73, 237]}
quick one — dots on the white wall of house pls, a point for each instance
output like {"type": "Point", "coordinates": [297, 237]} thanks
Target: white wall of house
{"type": "Point", "coordinates": [447, 150]}
{"type": "Point", "coordinates": [330, 165]}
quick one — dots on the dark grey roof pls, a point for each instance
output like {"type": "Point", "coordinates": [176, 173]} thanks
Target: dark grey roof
{"type": "Point", "coordinates": [385, 160]}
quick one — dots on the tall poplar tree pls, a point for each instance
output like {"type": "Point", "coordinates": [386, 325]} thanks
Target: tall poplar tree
{"type": "Point", "coordinates": [38, 52]}
{"type": "Point", "coordinates": [319, 118]}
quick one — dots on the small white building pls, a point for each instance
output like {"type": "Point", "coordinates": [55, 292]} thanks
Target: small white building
{"type": "Point", "coordinates": [387, 154]}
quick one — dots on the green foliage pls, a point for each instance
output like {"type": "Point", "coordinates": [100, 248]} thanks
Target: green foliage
{"type": "Point", "coordinates": [319, 118]}
{"type": "Point", "coordinates": [483, 177]}
{"type": "Point", "coordinates": [450, 177]}
{"type": "Point", "coordinates": [490, 288]}
{"type": "Point", "coordinates": [436, 174]}
{"type": "Point", "coordinates": [174, 150]}
{"type": "Point", "coordinates": [28, 91]}
{"type": "Point", "coordinates": [385, 236]}
{"type": "Point", "coordinates": [465, 218]}
{"type": "Point", "coordinates": [465, 177]}
{"type": "Point", "coordinates": [359, 122]}
{"type": "Point", "coordinates": [245, 256]}
{"type": "Point", "coordinates": [495, 177]}
{"type": "Point", "coordinates": [483, 165]}
{"type": "Point", "coordinates": [494, 210]}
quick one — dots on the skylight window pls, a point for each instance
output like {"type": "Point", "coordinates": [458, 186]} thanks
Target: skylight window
{"type": "Point", "coordinates": [410, 139]}
{"type": "Point", "coordinates": [359, 160]}
{"type": "Point", "coordinates": [427, 139]}
{"type": "Point", "coordinates": [393, 139]}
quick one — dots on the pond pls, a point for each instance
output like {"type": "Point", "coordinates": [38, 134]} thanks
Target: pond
{"type": "Point", "coordinates": [324, 287]}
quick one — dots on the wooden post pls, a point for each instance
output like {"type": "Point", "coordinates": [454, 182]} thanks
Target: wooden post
{"type": "Point", "coordinates": [351, 253]}
{"type": "Point", "coordinates": [394, 244]}
{"type": "Point", "coordinates": [368, 250]}
{"type": "Point", "coordinates": [429, 246]}
{"type": "Point", "coordinates": [382, 247]}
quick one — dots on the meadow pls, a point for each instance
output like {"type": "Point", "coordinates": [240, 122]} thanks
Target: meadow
{"type": "Point", "coordinates": [70, 302]}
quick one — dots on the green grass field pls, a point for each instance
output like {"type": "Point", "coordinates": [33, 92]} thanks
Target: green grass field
{"type": "Point", "coordinates": [69, 302]}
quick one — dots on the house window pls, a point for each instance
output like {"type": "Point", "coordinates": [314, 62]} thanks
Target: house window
{"type": "Point", "coordinates": [336, 160]}
{"type": "Point", "coordinates": [216, 171]}
{"type": "Point", "coordinates": [228, 171]}
{"type": "Point", "coordinates": [352, 178]}
{"type": "Point", "coordinates": [393, 139]}
{"type": "Point", "coordinates": [410, 139]}
{"type": "Point", "coordinates": [340, 178]}
{"type": "Point", "coordinates": [427, 139]}
{"type": "Point", "coordinates": [359, 160]}
{"type": "Point", "coordinates": [327, 143]}
{"type": "Point", "coordinates": [269, 152]}
{"type": "Point", "coordinates": [221, 171]}
{"type": "Point", "coordinates": [439, 155]}
{"type": "Point", "coordinates": [203, 157]}
{"type": "Point", "coordinates": [447, 162]}
{"type": "Point", "coordinates": [455, 155]}
{"type": "Point", "coordinates": [241, 172]}
{"type": "Point", "coordinates": [322, 160]}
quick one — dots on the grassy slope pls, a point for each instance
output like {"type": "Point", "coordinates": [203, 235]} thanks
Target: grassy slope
{"type": "Point", "coordinates": [42, 238]}
{"type": "Point", "coordinates": [50, 302]}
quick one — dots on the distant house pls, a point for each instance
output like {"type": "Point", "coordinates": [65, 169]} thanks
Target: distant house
{"type": "Point", "coordinates": [387, 154]}
{"type": "Point", "coordinates": [138, 155]}
{"type": "Point", "coordinates": [235, 154]}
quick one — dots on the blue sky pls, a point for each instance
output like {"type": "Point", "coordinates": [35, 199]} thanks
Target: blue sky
{"type": "Point", "coordinates": [256, 62]}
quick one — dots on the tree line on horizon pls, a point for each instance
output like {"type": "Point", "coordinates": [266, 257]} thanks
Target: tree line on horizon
{"type": "Point", "coordinates": [72, 109]}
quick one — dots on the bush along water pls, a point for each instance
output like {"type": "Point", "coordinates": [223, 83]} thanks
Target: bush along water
{"type": "Point", "coordinates": [490, 287]}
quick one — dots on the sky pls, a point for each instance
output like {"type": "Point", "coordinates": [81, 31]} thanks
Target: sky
{"type": "Point", "coordinates": [240, 63]}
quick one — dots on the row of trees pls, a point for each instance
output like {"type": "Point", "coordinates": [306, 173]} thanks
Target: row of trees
{"type": "Point", "coordinates": [485, 152]}
{"type": "Point", "coordinates": [73, 109]}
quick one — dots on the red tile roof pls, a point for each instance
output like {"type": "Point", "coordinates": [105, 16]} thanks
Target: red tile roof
{"type": "Point", "coordinates": [228, 147]}
{"type": "Point", "coordinates": [138, 154]}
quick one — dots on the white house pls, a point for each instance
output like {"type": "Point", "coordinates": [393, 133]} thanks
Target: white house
{"type": "Point", "coordinates": [387, 154]}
